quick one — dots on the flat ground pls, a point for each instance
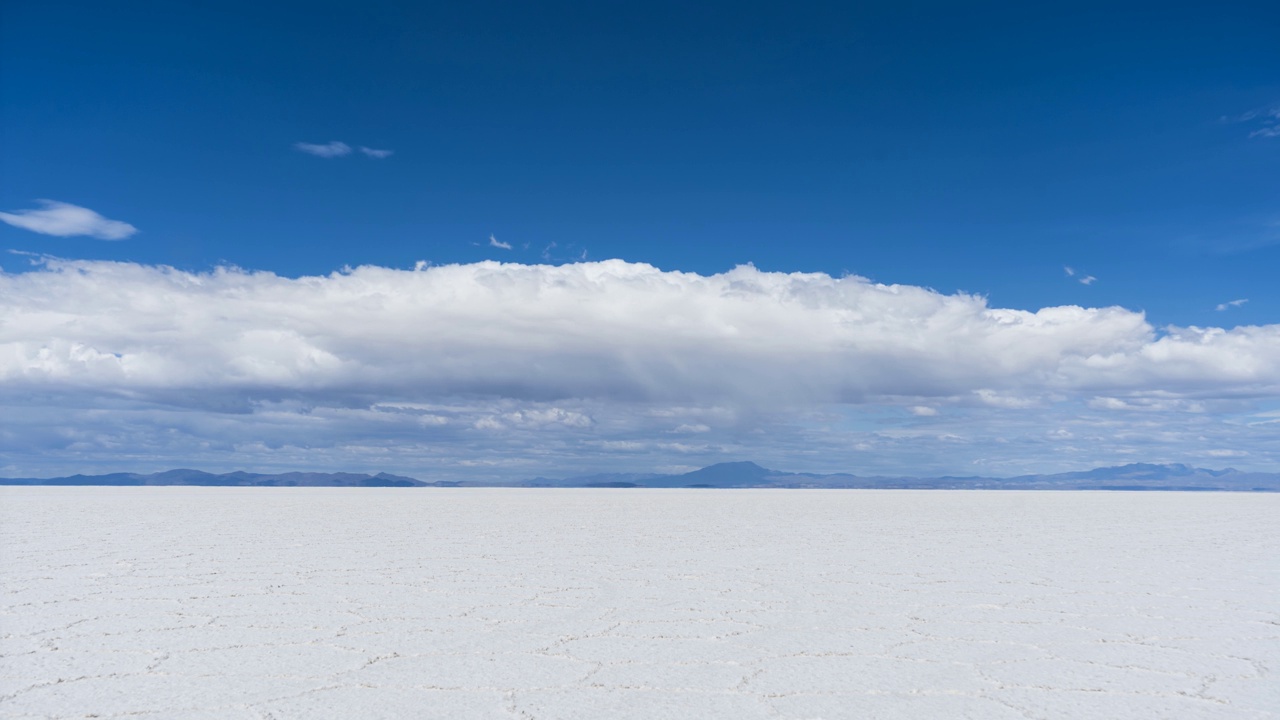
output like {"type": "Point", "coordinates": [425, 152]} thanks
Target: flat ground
{"type": "Point", "coordinates": [461, 603]}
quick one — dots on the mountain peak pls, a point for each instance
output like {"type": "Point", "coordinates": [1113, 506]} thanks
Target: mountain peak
{"type": "Point", "coordinates": [739, 466]}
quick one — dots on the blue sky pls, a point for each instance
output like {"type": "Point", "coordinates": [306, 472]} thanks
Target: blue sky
{"type": "Point", "coordinates": [981, 150]}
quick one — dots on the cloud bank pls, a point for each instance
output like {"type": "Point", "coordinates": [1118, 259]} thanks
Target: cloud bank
{"type": "Point", "coordinates": [607, 329]}
{"type": "Point", "coordinates": [594, 352]}
{"type": "Point", "coordinates": [66, 220]}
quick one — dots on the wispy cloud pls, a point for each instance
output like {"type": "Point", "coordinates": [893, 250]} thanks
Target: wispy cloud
{"type": "Point", "coordinates": [1264, 121]}
{"type": "Point", "coordinates": [331, 149]}
{"type": "Point", "coordinates": [1231, 304]}
{"type": "Point", "coordinates": [1269, 120]}
{"type": "Point", "coordinates": [495, 242]}
{"type": "Point", "coordinates": [337, 148]}
{"type": "Point", "coordinates": [1082, 279]}
{"type": "Point", "coordinates": [67, 220]}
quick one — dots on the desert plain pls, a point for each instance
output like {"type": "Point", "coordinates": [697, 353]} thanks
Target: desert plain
{"type": "Point", "coordinates": [603, 603]}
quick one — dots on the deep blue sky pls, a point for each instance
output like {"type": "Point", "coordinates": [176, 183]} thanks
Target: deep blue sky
{"type": "Point", "coordinates": [978, 148]}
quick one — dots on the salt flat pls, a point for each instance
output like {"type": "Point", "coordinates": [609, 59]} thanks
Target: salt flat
{"type": "Point", "coordinates": [479, 603]}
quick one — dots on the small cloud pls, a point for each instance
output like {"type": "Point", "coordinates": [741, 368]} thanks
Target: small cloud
{"type": "Point", "coordinates": [67, 220]}
{"type": "Point", "coordinates": [1109, 403]}
{"type": "Point", "coordinates": [1265, 121]}
{"type": "Point", "coordinates": [991, 398]}
{"type": "Point", "coordinates": [330, 149]}
{"type": "Point", "coordinates": [1231, 304]}
{"type": "Point", "coordinates": [923, 411]}
{"type": "Point", "coordinates": [1084, 280]}
{"type": "Point", "coordinates": [495, 242]}
{"type": "Point", "coordinates": [375, 153]}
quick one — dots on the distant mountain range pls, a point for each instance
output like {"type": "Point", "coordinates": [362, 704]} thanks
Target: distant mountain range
{"type": "Point", "coordinates": [238, 479]}
{"type": "Point", "coordinates": [728, 475]}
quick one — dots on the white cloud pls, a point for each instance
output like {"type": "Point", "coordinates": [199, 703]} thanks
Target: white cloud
{"type": "Point", "coordinates": [1270, 120]}
{"type": "Point", "coordinates": [599, 329]}
{"type": "Point", "coordinates": [495, 242]}
{"type": "Point", "coordinates": [923, 411]}
{"type": "Point", "coordinates": [540, 418]}
{"type": "Point", "coordinates": [535, 366]}
{"type": "Point", "coordinates": [337, 148]}
{"type": "Point", "coordinates": [1085, 280]}
{"type": "Point", "coordinates": [1265, 121]}
{"type": "Point", "coordinates": [67, 220]}
{"type": "Point", "coordinates": [1230, 304]}
{"type": "Point", "coordinates": [331, 149]}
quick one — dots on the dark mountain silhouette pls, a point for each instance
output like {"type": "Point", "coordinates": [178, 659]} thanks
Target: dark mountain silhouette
{"type": "Point", "coordinates": [1138, 476]}
{"type": "Point", "coordinates": [729, 474]}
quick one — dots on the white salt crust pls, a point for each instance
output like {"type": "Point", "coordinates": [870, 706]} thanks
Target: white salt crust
{"type": "Point", "coordinates": [499, 603]}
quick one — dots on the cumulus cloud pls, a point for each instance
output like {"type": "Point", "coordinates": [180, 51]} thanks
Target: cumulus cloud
{"type": "Point", "coordinates": [495, 242]}
{"type": "Point", "coordinates": [67, 220]}
{"type": "Point", "coordinates": [1230, 304]}
{"type": "Point", "coordinates": [510, 363]}
{"type": "Point", "coordinates": [607, 329]}
{"type": "Point", "coordinates": [331, 149]}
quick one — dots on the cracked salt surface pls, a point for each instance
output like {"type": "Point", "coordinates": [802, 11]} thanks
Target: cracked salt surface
{"type": "Point", "coordinates": [497, 603]}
